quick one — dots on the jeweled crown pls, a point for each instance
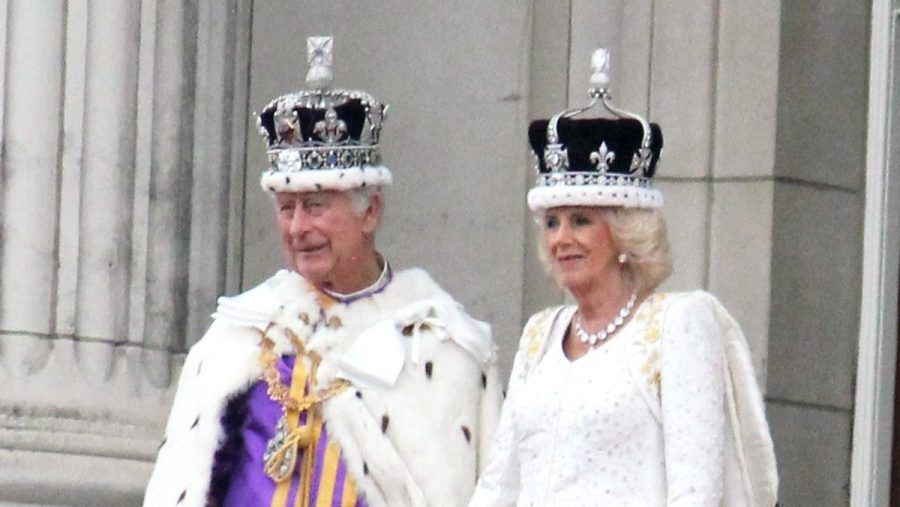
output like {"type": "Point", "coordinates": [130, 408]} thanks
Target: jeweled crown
{"type": "Point", "coordinates": [322, 138]}
{"type": "Point", "coordinates": [596, 161]}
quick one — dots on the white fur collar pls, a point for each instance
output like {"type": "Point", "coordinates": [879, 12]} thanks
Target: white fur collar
{"type": "Point", "coordinates": [377, 353]}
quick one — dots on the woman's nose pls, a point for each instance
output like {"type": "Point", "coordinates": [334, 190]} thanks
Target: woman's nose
{"type": "Point", "coordinates": [561, 234]}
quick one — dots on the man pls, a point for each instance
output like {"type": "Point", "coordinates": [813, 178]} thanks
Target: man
{"type": "Point", "coordinates": [337, 382]}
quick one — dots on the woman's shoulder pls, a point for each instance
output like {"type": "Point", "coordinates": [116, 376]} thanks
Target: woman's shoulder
{"type": "Point", "coordinates": [663, 312]}
{"type": "Point", "coordinates": [691, 319]}
{"type": "Point", "coordinates": [677, 303]}
{"type": "Point", "coordinates": [539, 324]}
{"type": "Point", "coordinates": [683, 296]}
{"type": "Point", "coordinates": [546, 314]}
{"type": "Point", "coordinates": [538, 327]}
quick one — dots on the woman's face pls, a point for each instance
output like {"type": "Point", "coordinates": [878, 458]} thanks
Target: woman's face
{"type": "Point", "coordinates": [324, 237]}
{"type": "Point", "coordinates": [579, 246]}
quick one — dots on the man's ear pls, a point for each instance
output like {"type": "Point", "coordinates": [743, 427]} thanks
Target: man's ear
{"type": "Point", "coordinates": [373, 213]}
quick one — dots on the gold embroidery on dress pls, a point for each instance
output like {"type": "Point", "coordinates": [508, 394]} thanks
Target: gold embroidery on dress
{"type": "Point", "coordinates": [652, 336]}
{"type": "Point", "coordinates": [535, 333]}
{"type": "Point", "coordinates": [648, 348]}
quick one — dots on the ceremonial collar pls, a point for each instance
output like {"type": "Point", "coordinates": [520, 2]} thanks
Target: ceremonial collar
{"type": "Point", "coordinates": [383, 280]}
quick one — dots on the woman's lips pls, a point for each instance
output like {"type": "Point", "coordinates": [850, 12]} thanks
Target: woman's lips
{"type": "Point", "coordinates": [568, 259]}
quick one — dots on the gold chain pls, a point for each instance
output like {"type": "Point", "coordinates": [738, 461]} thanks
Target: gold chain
{"type": "Point", "coordinates": [279, 392]}
{"type": "Point", "coordinates": [291, 439]}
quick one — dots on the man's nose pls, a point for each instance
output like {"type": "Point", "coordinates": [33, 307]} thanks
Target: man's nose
{"type": "Point", "coordinates": [299, 222]}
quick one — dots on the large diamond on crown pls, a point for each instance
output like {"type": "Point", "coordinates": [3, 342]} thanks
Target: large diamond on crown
{"type": "Point", "coordinates": [556, 158]}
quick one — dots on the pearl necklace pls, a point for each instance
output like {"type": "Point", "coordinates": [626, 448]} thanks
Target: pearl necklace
{"type": "Point", "coordinates": [602, 335]}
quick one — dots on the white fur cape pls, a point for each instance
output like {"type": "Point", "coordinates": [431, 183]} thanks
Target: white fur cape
{"type": "Point", "coordinates": [415, 436]}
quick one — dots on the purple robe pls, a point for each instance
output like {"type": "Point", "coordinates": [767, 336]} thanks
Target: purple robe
{"type": "Point", "coordinates": [239, 478]}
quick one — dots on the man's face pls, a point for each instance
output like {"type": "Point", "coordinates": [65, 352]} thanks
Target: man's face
{"type": "Point", "coordinates": [324, 237]}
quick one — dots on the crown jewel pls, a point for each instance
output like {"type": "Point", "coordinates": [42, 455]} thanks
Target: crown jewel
{"type": "Point", "coordinates": [597, 161]}
{"type": "Point", "coordinates": [322, 138]}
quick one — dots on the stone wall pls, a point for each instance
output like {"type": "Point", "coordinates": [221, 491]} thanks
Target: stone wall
{"type": "Point", "coordinates": [817, 245]}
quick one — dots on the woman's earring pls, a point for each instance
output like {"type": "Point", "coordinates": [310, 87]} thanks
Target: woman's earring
{"type": "Point", "coordinates": [623, 258]}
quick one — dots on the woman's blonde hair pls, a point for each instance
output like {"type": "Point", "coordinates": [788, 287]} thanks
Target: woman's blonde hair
{"type": "Point", "coordinates": [641, 235]}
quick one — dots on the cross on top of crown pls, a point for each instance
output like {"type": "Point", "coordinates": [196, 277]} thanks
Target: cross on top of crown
{"type": "Point", "coordinates": [600, 69]}
{"type": "Point", "coordinates": [319, 51]}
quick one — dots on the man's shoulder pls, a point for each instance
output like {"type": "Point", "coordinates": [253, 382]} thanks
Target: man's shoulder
{"type": "Point", "coordinates": [257, 306]}
{"type": "Point", "coordinates": [225, 339]}
{"type": "Point", "coordinates": [417, 298]}
{"type": "Point", "coordinates": [239, 319]}
{"type": "Point", "coordinates": [416, 284]}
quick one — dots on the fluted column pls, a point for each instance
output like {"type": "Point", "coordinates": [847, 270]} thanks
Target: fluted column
{"type": "Point", "coordinates": [107, 181]}
{"type": "Point", "coordinates": [220, 119]}
{"type": "Point", "coordinates": [170, 184]}
{"type": "Point", "coordinates": [118, 228]}
{"type": "Point", "coordinates": [193, 228]}
{"type": "Point", "coordinates": [31, 150]}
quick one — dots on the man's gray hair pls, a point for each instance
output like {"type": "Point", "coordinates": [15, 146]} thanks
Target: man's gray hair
{"type": "Point", "coordinates": [361, 197]}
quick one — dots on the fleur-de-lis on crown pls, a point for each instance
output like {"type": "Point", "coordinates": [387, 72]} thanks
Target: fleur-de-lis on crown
{"type": "Point", "coordinates": [331, 129]}
{"type": "Point", "coordinates": [603, 157]}
{"type": "Point", "coordinates": [641, 160]}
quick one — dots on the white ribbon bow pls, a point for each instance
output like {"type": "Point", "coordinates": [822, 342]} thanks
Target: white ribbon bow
{"type": "Point", "coordinates": [412, 319]}
{"type": "Point", "coordinates": [376, 357]}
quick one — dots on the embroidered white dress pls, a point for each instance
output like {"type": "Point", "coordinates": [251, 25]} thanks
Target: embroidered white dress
{"type": "Point", "coordinates": [591, 432]}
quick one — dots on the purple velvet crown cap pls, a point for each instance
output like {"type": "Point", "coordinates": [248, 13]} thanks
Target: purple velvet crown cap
{"type": "Point", "coordinates": [582, 137]}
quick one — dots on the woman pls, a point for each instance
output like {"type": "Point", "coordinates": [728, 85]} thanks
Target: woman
{"type": "Point", "coordinates": [629, 396]}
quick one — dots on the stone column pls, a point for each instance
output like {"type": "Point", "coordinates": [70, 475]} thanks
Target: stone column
{"type": "Point", "coordinates": [819, 198]}
{"type": "Point", "coordinates": [116, 175]}
{"type": "Point", "coordinates": [548, 81]}
{"type": "Point", "coordinates": [107, 182]}
{"type": "Point", "coordinates": [707, 72]}
{"type": "Point", "coordinates": [169, 220]}
{"type": "Point", "coordinates": [221, 120]}
{"type": "Point", "coordinates": [31, 152]}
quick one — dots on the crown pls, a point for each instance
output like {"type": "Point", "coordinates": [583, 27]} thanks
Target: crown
{"type": "Point", "coordinates": [597, 161]}
{"type": "Point", "coordinates": [322, 138]}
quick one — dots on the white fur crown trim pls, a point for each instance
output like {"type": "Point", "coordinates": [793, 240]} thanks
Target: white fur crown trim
{"type": "Point", "coordinates": [311, 180]}
{"type": "Point", "coordinates": [543, 198]}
